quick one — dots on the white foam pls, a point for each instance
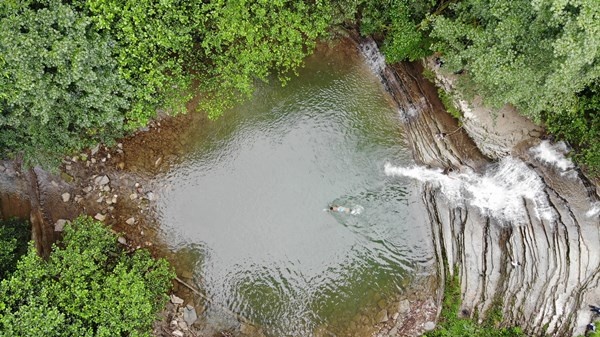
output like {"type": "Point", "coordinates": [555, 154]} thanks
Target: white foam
{"type": "Point", "coordinates": [594, 211]}
{"type": "Point", "coordinates": [501, 192]}
{"type": "Point", "coordinates": [374, 58]}
{"type": "Point", "coordinates": [553, 154]}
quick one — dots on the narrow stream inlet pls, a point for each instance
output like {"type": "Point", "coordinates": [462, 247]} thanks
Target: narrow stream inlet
{"type": "Point", "coordinates": [248, 202]}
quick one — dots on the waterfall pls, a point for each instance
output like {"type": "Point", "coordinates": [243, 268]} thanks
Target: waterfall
{"type": "Point", "coordinates": [523, 230]}
{"type": "Point", "coordinates": [501, 192]}
{"type": "Point", "coordinates": [373, 57]}
{"type": "Point", "coordinates": [553, 155]}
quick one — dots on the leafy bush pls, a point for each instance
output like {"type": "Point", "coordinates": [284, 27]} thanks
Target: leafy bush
{"type": "Point", "coordinates": [451, 325]}
{"type": "Point", "coordinates": [60, 89]}
{"type": "Point", "coordinates": [14, 235]}
{"type": "Point", "coordinates": [399, 22]}
{"type": "Point", "coordinates": [536, 55]}
{"type": "Point", "coordinates": [580, 127]}
{"type": "Point", "coordinates": [88, 287]}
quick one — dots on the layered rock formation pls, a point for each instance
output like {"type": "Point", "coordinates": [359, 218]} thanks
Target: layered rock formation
{"type": "Point", "coordinates": [519, 221]}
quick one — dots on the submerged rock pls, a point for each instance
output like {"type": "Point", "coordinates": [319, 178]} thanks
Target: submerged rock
{"type": "Point", "coordinates": [382, 316]}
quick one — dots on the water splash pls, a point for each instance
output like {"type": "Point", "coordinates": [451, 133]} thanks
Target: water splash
{"type": "Point", "coordinates": [593, 211]}
{"type": "Point", "coordinates": [373, 57]}
{"type": "Point", "coordinates": [502, 192]}
{"type": "Point", "coordinates": [553, 154]}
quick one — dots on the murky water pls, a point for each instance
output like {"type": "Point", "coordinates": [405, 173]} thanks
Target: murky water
{"type": "Point", "coordinates": [248, 198]}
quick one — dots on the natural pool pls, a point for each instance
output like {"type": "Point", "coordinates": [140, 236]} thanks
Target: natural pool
{"type": "Point", "coordinates": [247, 202]}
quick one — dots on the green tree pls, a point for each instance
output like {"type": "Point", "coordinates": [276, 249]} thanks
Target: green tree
{"type": "Point", "coordinates": [401, 24]}
{"type": "Point", "coordinates": [88, 287]}
{"type": "Point", "coordinates": [245, 40]}
{"type": "Point", "coordinates": [60, 89]}
{"type": "Point", "coordinates": [536, 55]}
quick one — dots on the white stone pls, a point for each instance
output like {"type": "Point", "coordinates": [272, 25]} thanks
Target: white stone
{"type": "Point", "coordinates": [122, 240]}
{"type": "Point", "coordinates": [395, 316]}
{"type": "Point", "coordinates": [101, 180]}
{"type": "Point", "coordinates": [133, 196]}
{"type": "Point", "coordinates": [87, 189]}
{"type": "Point", "coordinates": [59, 225]}
{"type": "Point", "coordinates": [78, 198]}
{"type": "Point", "coordinates": [177, 333]}
{"type": "Point", "coordinates": [403, 306]}
{"type": "Point", "coordinates": [66, 197]}
{"type": "Point", "coordinates": [176, 300]}
{"type": "Point", "coordinates": [130, 221]}
{"type": "Point", "coordinates": [54, 183]}
{"type": "Point", "coordinates": [428, 326]}
{"type": "Point", "coordinates": [99, 216]}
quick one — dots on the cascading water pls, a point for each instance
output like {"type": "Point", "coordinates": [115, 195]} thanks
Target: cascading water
{"type": "Point", "coordinates": [524, 230]}
{"type": "Point", "coordinates": [500, 192]}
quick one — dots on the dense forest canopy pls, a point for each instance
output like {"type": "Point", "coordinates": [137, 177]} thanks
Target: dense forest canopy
{"type": "Point", "coordinates": [80, 72]}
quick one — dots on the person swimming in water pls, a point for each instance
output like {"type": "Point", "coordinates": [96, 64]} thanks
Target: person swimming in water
{"type": "Point", "coordinates": [340, 209]}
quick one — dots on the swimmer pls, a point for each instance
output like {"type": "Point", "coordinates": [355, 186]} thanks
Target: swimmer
{"type": "Point", "coordinates": [340, 209]}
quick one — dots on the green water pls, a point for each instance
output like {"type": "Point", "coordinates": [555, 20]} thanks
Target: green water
{"type": "Point", "coordinates": [248, 201]}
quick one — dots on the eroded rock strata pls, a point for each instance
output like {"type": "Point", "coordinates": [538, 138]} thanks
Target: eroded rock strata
{"type": "Point", "coordinates": [506, 207]}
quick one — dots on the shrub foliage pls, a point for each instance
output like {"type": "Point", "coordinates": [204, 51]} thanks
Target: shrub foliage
{"type": "Point", "coordinates": [88, 287]}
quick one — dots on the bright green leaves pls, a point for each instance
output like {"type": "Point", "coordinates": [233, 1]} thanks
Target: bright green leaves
{"type": "Point", "coordinates": [61, 83]}
{"type": "Point", "coordinates": [88, 287]}
{"type": "Point", "coordinates": [534, 55]}
{"type": "Point", "coordinates": [75, 73]}
{"type": "Point", "coordinates": [154, 46]}
{"type": "Point", "coordinates": [400, 23]}
{"type": "Point", "coordinates": [247, 40]}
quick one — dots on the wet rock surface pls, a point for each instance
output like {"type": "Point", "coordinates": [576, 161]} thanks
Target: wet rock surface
{"type": "Point", "coordinates": [538, 258]}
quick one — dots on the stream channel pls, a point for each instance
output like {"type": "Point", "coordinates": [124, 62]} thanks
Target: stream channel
{"type": "Point", "coordinates": [248, 199]}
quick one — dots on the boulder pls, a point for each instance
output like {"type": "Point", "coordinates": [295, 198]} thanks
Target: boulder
{"type": "Point", "coordinates": [189, 315]}
{"type": "Point", "coordinates": [59, 225]}
{"type": "Point", "coordinates": [176, 300]}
